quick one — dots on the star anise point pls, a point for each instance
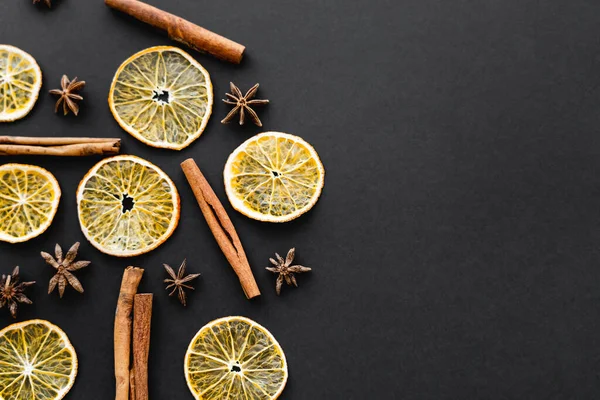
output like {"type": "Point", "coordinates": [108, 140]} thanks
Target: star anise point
{"type": "Point", "coordinates": [64, 267]}
{"type": "Point", "coordinates": [285, 270]}
{"type": "Point", "coordinates": [179, 281]}
{"type": "Point", "coordinates": [12, 291]}
{"type": "Point", "coordinates": [68, 97]}
{"type": "Point", "coordinates": [242, 105]}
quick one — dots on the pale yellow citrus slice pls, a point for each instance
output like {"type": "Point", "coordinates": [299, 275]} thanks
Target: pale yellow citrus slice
{"type": "Point", "coordinates": [162, 96]}
{"type": "Point", "coordinates": [127, 206]}
{"type": "Point", "coordinates": [29, 198]}
{"type": "Point", "coordinates": [37, 361]}
{"type": "Point", "coordinates": [20, 83]}
{"type": "Point", "coordinates": [274, 177]}
{"type": "Point", "coordinates": [235, 358]}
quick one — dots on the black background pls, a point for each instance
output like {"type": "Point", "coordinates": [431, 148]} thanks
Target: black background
{"type": "Point", "coordinates": [454, 248]}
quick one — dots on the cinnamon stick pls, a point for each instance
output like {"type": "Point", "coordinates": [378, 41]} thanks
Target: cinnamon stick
{"type": "Point", "coordinates": [49, 146]}
{"type": "Point", "coordinates": [142, 316]}
{"type": "Point", "coordinates": [221, 227]}
{"type": "Point", "coordinates": [181, 30]}
{"type": "Point", "coordinates": [131, 279]}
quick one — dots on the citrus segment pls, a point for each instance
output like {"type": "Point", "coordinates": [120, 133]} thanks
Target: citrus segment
{"type": "Point", "coordinates": [20, 83]}
{"type": "Point", "coordinates": [162, 96]}
{"type": "Point", "coordinates": [37, 361]}
{"type": "Point", "coordinates": [29, 198]}
{"type": "Point", "coordinates": [274, 177]}
{"type": "Point", "coordinates": [235, 358]}
{"type": "Point", "coordinates": [127, 206]}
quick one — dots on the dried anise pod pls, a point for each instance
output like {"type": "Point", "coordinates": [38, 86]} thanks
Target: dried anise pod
{"type": "Point", "coordinates": [68, 98]}
{"type": "Point", "coordinates": [47, 2]}
{"type": "Point", "coordinates": [286, 270]}
{"type": "Point", "coordinates": [178, 281]}
{"type": "Point", "coordinates": [12, 292]}
{"type": "Point", "coordinates": [242, 104]}
{"type": "Point", "coordinates": [64, 267]}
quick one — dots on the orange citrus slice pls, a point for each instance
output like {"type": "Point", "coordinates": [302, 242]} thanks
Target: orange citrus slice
{"type": "Point", "coordinates": [37, 361]}
{"type": "Point", "coordinates": [235, 358]}
{"type": "Point", "coordinates": [127, 206]}
{"type": "Point", "coordinates": [162, 97]}
{"type": "Point", "coordinates": [29, 198]}
{"type": "Point", "coordinates": [274, 177]}
{"type": "Point", "coordinates": [20, 83]}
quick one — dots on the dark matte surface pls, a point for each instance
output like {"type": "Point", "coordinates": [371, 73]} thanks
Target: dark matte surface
{"type": "Point", "coordinates": [455, 248]}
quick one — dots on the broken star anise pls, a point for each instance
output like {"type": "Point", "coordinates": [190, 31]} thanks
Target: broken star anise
{"type": "Point", "coordinates": [47, 2]}
{"type": "Point", "coordinates": [64, 267]}
{"type": "Point", "coordinates": [242, 104]}
{"type": "Point", "coordinates": [285, 270]}
{"type": "Point", "coordinates": [68, 98]}
{"type": "Point", "coordinates": [12, 292]}
{"type": "Point", "coordinates": [178, 281]}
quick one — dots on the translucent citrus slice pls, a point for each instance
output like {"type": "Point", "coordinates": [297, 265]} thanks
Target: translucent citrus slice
{"type": "Point", "coordinates": [162, 96]}
{"type": "Point", "coordinates": [235, 358]}
{"type": "Point", "coordinates": [127, 206]}
{"type": "Point", "coordinates": [20, 83]}
{"type": "Point", "coordinates": [274, 177]}
{"type": "Point", "coordinates": [29, 198]}
{"type": "Point", "coordinates": [37, 361]}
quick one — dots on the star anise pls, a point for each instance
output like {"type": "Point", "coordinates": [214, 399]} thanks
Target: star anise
{"type": "Point", "coordinates": [64, 267]}
{"type": "Point", "coordinates": [286, 270]}
{"type": "Point", "coordinates": [178, 282]}
{"type": "Point", "coordinates": [47, 2]}
{"type": "Point", "coordinates": [242, 104]}
{"type": "Point", "coordinates": [67, 95]}
{"type": "Point", "coordinates": [12, 292]}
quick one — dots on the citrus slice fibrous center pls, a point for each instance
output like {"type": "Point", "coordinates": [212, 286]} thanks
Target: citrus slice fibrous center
{"type": "Point", "coordinates": [162, 96]}
{"type": "Point", "coordinates": [127, 206]}
{"type": "Point", "coordinates": [37, 361]}
{"type": "Point", "coordinates": [20, 83]}
{"type": "Point", "coordinates": [274, 177]}
{"type": "Point", "coordinates": [235, 358]}
{"type": "Point", "coordinates": [29, 198]}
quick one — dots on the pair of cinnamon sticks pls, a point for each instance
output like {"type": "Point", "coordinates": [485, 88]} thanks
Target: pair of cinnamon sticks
{"type": "Point", "coordinates": [132, 382]}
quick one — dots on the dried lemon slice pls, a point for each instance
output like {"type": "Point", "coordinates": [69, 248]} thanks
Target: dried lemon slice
{"type": "Point", "coordinates": [274, 177]}
{"type": "Point", "coordinates": [127, 206]}
{"type": "Point", "coordinates": [20, 83]}
{"type": "Point", "coordinates": [235, 358]}
{"type": "Point", "coordinates": [37, 361]}
{"type": "Point", "coordinates": [162, 96]}
{"type": "Point", "coordinates": [29, 198]}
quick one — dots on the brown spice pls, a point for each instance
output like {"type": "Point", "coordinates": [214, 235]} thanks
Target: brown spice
{"type": "Point", "coordinates": [64, 267]}
{"type": "Point", "coordinates": [47, 2]}
{"type": "Point", "coordinates": [56, 146]}
{"type": "Point", "coordinates": [221, 227]}
{"type": "Point", "coordinates": [67, 94]}
{"type": "Point", "coordinates": [285, 270]}
{"type": "Point", "coordinates": [242, 104]}
{"type": "Point", "coordinates": [12, 292]}
{"type": "Point", "coordinates": [142, 317]}
{"type": "Point", "coordinates": [179, 281]}
{"type": "Point", "coordinates": [181, 30]}
{"type": "Point", "coordinates": [131, 279]}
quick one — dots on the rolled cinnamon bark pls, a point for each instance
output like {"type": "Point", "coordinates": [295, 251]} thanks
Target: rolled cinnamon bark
{"type": "Point", "coordinates": [221, 226]}
{"type": "Point", "coordinates": [181, 30]}
{"type": "Point", "coordinates": [131, 279]}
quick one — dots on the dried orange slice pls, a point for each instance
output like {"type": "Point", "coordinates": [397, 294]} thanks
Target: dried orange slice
{"type": "Point", "coordinates": [29, 198]}
{"type": "Point", "coordinates": [127, 206]}
{"type": "Point", "coordinates": [274, 177]}
{"type": "Point", "coordinates": [235, 358]}
{"type": "Point", "coordinates": [37, 361]}
{"type": "Point", "coordinates": [20, 83]}
{"type": "Point", "coordinates": [162, 97]}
